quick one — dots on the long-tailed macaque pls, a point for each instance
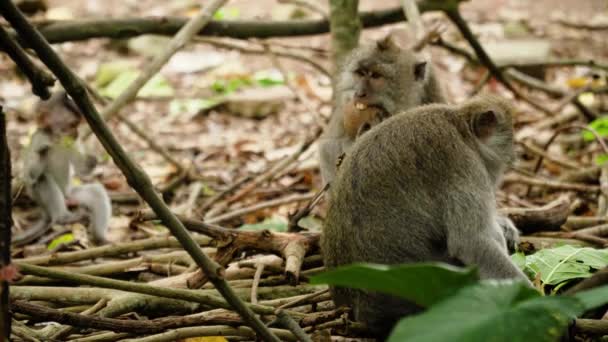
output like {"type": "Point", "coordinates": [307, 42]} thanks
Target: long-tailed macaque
{"type": "Point", "coordinates": [420, 187]}
{"type": "Point", "coordinates": [51, 160]}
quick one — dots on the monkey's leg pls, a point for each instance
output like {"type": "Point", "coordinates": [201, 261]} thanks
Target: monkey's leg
{"type": "Point", "coordinates": [48, 195]}
{"type": "Point", "coordinates": [94, 198]}
{"type": "Point", "coordinates": [478, 247]}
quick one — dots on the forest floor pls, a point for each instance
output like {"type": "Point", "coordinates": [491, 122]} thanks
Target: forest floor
{"type": "Point", "coordinates": [225, 115]}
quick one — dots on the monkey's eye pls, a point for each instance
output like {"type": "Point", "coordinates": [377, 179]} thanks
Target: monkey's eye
{"type": "Point", "coordinates": [360, 72]}
{"type": "Point", "coordinates": [375, 75]}
{"type": "Point", "coordinates": [43, 151]}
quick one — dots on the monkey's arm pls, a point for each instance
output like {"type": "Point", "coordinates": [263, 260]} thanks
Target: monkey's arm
{"type": "Point", "coordinates": [329, 152]}
{"type": "Point", "coordinates": [479, 247]}
{"type": "Point", "coordinates": [94, 198]}
{"type": "Point", "coordinates": [510, 232]}
{"type": "Point", "coordinates": [48, 195]}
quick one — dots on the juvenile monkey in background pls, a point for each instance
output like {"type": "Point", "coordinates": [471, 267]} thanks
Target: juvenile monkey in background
{"type": "Point", "coordinates": [376, 81]}
{"type": "Point", "coordinates": [420, 187]}
{"type": "Point", "coordinates": [50, 162]}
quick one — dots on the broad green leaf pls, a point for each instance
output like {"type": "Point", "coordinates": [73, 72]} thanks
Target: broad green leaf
{"type": "Point", "coordinates": [64, 238]}
{"type": "Point", "coordinates": [423, 284]}
{"type": "Point", "coordinates": [593, 298]}
{"type": "Point", "coordinates": [519, 259]}
{"type": "Point", "coordinates": [564, 263]}
{"type": "Point", "coordinates": [495, 311]}
{"type": "Point", "coordinates": [600, 125]}
{"type": "Point", "coordinates": [275, 224]}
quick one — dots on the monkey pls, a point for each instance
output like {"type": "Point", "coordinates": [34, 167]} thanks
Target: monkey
{"type": "Point", "coordinates": [376, 81]}
{"type": "Point", "coordinates": [50, 162]}
{"type": "Point", "coordinates": [420, 187]}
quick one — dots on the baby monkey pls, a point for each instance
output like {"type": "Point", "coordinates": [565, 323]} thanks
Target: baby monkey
{"type": "Point", "coordinates": [420, 187]}
{"type": "Point", "coordinates": [51, 160]}
{"type": "Point", "coordinates": [376, 81]}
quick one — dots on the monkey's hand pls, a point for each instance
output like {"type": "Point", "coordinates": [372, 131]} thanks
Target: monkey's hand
{"type": "Point", "coordinates": [510, 232]}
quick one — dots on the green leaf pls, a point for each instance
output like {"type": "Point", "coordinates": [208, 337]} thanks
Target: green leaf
{"type": "Point", "coordinates": [601, 159]}
{"type": "Point", "coordinates": [65, 238]}
{"type": "Point", "coordinates": [268, 78]}
{"type": "Point", "coordinates": [495, 311]}
{"type": "Point", "coordinates": [275, 224]}
{"type": "Point", "coordinates": [157, 86]}
{"type": "Point", "coordinates": [191, 106]}
{"type": "Point", "coordinates": [600, 125]}
{"type": "Point", "coordinates": [593, 298]}
{"type": "Point", "coordinates": [230, 13]}
{"type": "Point", "coordinates": [519, 259]}
{"type": "Point", "coordinates": [557, 265]}
{"type": "Point", "coordinates": [230, 85]}
{"type": "Point", "coordinates": [107, 72]}
{"type": "Point", "coordinates": [423, 284]}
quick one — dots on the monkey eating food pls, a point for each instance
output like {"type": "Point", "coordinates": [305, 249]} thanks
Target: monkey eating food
{"type": "Point", "coordinates": [420, 187]}
{"type": "Point", "coordinates": [376, 81]}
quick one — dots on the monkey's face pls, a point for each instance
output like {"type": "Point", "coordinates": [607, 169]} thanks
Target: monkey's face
{"type": "Point", "coordinates": [388, 79]}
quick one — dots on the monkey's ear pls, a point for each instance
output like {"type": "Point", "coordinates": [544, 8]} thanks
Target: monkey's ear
{"type": "Point", "coordinates": [484, 125]}
{"type": "Point", "coordinates": [386, 43]}
{"type": "Point", "coordinates": [419, 71]}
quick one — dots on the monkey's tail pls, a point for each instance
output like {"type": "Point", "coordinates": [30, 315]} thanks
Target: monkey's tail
{"type": "Point", "coordinates": [95, 199]}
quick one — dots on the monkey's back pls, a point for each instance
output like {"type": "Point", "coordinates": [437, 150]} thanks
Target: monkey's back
{"type": "Point", "coordinates": [424, 156]}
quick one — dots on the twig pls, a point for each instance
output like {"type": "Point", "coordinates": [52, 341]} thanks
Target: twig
{"type": "Point", "coordinates": [122, 28]}
{"type": "Point", "coordinates": [542, 153]}
{"type": "Point", "coordinates": [135, 176]}
{"type": "Point", "coordinates": [551, 184]}
{"type": "Point", "coordinates": [591, 326]}
{"type": "Point", "coordinates": [599, 230]}
{"type": "Point", "coordinates": [174, 293]}
{"type": "Point", "coordinates": [39, 78]}
{"type": "Point", "coordinates": [215, 198]}
{"type": "Point", "coordinates": [302, 299]}
{"type": "Point", "coordinates": [223, 43]}
{"type": "Point", "coordinates": [293, 226]}
{"type": "Point", "coordinates": [109, 251]}
{"type": "Point", "coordinates": [6, 224]}
{"type": "Point", "coordinates": [60, 332]}
{"type": "Point", "coordinates": [287, 321]}
{"type": "Point", "coordinates": [548, 217]}
{"type": "Point", "coordinates": [259, 206]}
{"type": "Point", "coordinates": [259, 269]}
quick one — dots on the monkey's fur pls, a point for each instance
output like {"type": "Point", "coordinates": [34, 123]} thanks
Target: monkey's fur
{"type": "Point", "coordinates": [420, 187]}
{"type": "Point", "coordinates": [376, 81]}
{"type": "Point", "coordinates": [51, 160]}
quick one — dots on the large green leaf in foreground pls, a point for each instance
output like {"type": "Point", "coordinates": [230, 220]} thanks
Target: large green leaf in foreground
{"type": "Point", "coordinates": [491, 311]}
{"type": "Point", "coordinates": [423, 284]}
